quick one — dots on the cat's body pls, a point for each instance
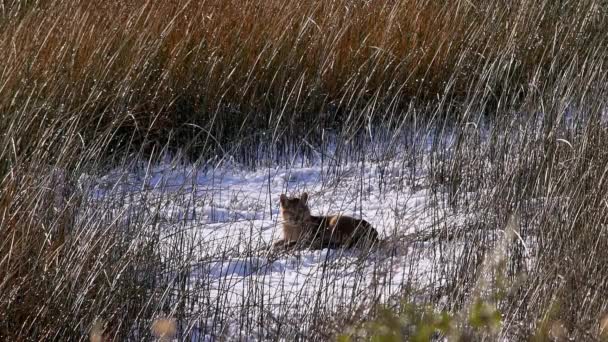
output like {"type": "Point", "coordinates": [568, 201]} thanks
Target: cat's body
{"type": "Point", "coordinates": [301, 229]}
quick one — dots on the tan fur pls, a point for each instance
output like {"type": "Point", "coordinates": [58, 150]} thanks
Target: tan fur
{"type": "Point", "coordinates": [302, 228]}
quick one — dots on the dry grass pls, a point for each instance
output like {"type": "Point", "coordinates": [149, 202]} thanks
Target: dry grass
{"type": "Point", "coordinates": [152, 67]}
{"type": "Point", "coordinates": [87, 84]}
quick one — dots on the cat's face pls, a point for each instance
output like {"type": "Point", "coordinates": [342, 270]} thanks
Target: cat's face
{"type": "Point", "coordinates": [294, 209]}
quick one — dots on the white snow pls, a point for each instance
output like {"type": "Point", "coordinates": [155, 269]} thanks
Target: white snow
{"type": "Point", "coordinates": [215, 225]}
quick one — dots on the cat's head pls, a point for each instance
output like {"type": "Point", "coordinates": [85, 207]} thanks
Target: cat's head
{"type": "Point", "coordinates": [294, 209]}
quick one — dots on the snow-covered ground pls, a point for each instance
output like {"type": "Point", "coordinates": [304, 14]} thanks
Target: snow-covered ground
{"type": "Point", "coordinates": [216, 223]}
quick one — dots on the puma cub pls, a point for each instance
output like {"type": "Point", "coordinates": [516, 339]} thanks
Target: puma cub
{"type": "Point", "coordinates": [303, 230]}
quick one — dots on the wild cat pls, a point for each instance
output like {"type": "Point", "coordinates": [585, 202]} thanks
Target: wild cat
{"type": "Point", "coordinates": [301, 229]}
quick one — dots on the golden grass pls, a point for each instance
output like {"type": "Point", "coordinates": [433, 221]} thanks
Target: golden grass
{"type": "Point", "coordinates": [195, 58]}
{"type": "Point", "coordinates": [164, 328]}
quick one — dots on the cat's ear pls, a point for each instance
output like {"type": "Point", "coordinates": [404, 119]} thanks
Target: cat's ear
{"type": "Point", "coordinates": [304, 198]}
{"type": "Point", "coordinates": [283, 200]}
